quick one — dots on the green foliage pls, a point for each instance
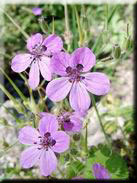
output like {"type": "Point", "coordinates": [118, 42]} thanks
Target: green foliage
{"type": "Point", "coordinates": [74, 169]}
{"type": "Point", "coordinates": [112, 161]}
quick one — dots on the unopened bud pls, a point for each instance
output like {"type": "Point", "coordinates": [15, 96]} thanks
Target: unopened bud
{"type": "Point", "coordinates": [76, 137]}
{"type": "Point", "coordinates": [117, 51]}
{"type": "Point", "coordinates": [128, 43]}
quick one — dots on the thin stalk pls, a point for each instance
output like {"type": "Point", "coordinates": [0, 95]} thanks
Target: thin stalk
{"type": "Point", "coordinates": [14, 86]}
{"type": "Point", "coordinates": [34, 107]}
{"type": "Point", "coordinates": [53, 26]}
{"type": "Point", "coordinates": [100, 120]}
{"type": "Point", "coordinates": [16, 25]}
{"type": "Point", "coordinates": [79, 27]}
{"type": "Point", "coordinates": [5, 91]}
{"type": "Point", "coordinates": [106, 17]}
{"type": "Point", "coordinates": [66, 17]}
{"type": "Point", "coordinates": [86, 138]}
{"type": "Point", "coordinates": [67, 29]}
{"type": "Point", "coordinates": [8, 148]}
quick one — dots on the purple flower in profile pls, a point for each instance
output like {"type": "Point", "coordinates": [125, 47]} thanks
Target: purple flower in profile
{"type": "Point", "coordinates": [37, 11]}
{"type": "Point", "coordinates": [69, 122]}
{"type": "Point", "coordinates": [38, 57]}
{"type": "Point", "coordinates": [100, 172]}
{"type": "Point", "coordinates": [45, 141]}
{"type": "Point", "coordinates": [76, 79]}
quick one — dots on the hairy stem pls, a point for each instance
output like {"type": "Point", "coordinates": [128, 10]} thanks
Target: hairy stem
{"type": "Point", "coordinates": [100, 120]}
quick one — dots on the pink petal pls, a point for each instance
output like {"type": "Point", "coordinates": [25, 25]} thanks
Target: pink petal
{"type": "Point", "coordinates": [30, 156]}
{"type": "Point", "coordinates": [85, 57]}
{"type": "Point", "coordinates": [48, 123]}
{"type": "Point", "coordinates": [60, 62]}
{"type": "Point", "coordinates": [77, 124]}
{"type": "Point", "coordinates": [42, 114]}
{"type": "Point", "coordinates": [28, 135]}
{"type": "Point", "coordinates": [97, 83]}
{"type": "Point", "coordinates": [79, 97]}
{"type": "Point", "coordinates": [58, 89]}
{"type": "Point", "coordinates": [48, 162]}
{"type": "Point", "coordinates": [34, 76]}
{"type": "Point", "coordinates": [34, 41]}
{"type": "Point", "coordinates": [45, 69]}
{"type": "Point", "coordinates": [62, 141]}
{"type": "Point", "coordinates": [53, 43]}
{"type": "Point", "coordinates": [21, 62]}
{"type": "Point", "coordinates": [37, 11]}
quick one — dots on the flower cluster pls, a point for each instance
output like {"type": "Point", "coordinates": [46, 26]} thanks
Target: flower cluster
{"type": "Point", "coordinates": [46, 55]}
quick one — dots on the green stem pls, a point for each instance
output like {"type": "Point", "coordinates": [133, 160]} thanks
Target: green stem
{"type": "Point", "coordinates": [79, 27]}
{"type": "Point", "coordinates": [86, 139]}
{"type": "Point", "coordinates": [16, 25]}
{"type": "Point", "coordinates": [100, 120]}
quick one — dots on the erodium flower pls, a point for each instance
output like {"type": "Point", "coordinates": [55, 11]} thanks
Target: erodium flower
{"type": "Point", "coordinates": [37, 11]}
{"type": "Point", "coordinates": [68, 121]}
{"type": "Point", "coordinates": [45, 142]}
{"type": "Point", "coordinates": [38, 57]}
{"type": "Point", "coordinates": [76, 79]}
{"type": "Point", "coordinates": [100, 172]}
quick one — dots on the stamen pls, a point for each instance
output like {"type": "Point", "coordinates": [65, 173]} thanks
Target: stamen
{"type": "Point", "coordinates": [68, 69]}
{"type": "Point", "coordinates": [79, 67]}
{"type": "Point", "coordinates": [47, 134]}
{"type": "Point", "coordinates": [53, 142]}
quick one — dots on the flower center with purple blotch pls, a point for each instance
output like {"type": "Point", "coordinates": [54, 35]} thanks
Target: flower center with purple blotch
{"type": "Point", "coordinates": [46, 141]}
{"type": "Point", "coordinates": [74, 74]}
{"type": "Point", "coordinates": [39, 49]}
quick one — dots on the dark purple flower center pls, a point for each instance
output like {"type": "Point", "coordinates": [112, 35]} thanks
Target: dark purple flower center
{"type": "Point", "coordinates": [39, 49]}
{"type": "Point", "coordinates": [46, 141]}
{"type": "Point", "coordinates": [74, 74]}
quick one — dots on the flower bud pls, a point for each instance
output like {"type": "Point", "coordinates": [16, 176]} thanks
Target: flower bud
{"type": "Point", "coordinates": [128, 43]}
{"type": "Point", "coordinates": [76, 137]}
{"type": "Point", "coordinates": [117, 51]}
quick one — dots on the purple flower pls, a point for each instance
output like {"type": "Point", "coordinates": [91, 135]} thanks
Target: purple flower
{"type": "Point", "coordinates": [68, 121]}
{"type": "Point", "coordinates": [76, 79]}
{"type": "Point", "coordinates": [37, 11]}
{"type": "Point", "coordinates": [45, 141]}
{"type": "Point", "coordinates": [38, 58]}
{"type": "Point", "coordinates": [100, 172]}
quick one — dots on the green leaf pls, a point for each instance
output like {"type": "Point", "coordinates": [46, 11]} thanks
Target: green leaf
{"type": "Point", "coordinates": [74, 169]}
{"type": "Point", "coordinates": [116, 165]}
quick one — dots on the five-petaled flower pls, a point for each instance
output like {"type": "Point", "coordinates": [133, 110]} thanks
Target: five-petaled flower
{"type": "Point", "coordinates": [45, 141]}
{"type": "Point", "coordinates": [100, 172]}
{"type": "Point", "coordinates": [76, 78]}
{"type": "Point", "coordinates": [38, 57]}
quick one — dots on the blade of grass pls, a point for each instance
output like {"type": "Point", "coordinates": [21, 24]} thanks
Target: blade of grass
{"type": "Point", "coordinates": [81, 36]}
{"type": "Point", "coordinates": [14, 86]}
{"type": "Point", "coordinates": [112, 14]}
